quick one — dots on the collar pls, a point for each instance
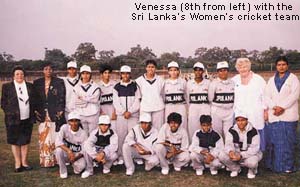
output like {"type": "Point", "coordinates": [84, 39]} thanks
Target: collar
{"type": "Point", "coordinates": [106, 85]}
{"type": "Point", "coordinates": [125, 83]}
{"type": "Point", "coordinates": [104, 134]}
{"type": "Point", "coordinates": [210, 130]}
{"type": "Point", "coordinates": [193, 81]}
{"type": "Point", "coordinates": [20, 84]}
{"type": "Point", "coordinates": [248, 128]}
{"type": "Point", "coordinates": [172, 81]}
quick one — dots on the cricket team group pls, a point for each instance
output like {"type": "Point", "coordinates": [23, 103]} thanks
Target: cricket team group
{"type": "Point", "coordinates": [205, 123]}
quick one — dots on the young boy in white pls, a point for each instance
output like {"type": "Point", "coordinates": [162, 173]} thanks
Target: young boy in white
{"type": "Point", "coordinates": [69, 144]}
{"type": "Point", "coordinates": [106, 85]}
{"type": "Point", "coordinates": [71, 80]}
{"type": "Point", "coordinates": [87, 94]}
{"type": "Point", "coordinates": [221, 96]}
{"type": "Point", "coordinates": [197, 96]}
{"type": "Point", "coordinates": [126, 100]}
{"type": "Point", "coordinates": [175, 93]}
{"type": "Point", "coordinates": [101, 146]}
{"type": "Point", "coordinates": [242, 147]}
{"type": "Point", "coordinates": [152, 87]}
{"type": "Point", "coordinates": [206, 147]}
{"type": "Point", "coordinates": [172, 144]}
{"type": "Point", "coordinates": [139, 144]}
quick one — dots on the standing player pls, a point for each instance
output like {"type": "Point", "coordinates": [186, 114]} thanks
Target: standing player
{"type": "Point", "coordinates": [221, 96]}
{"type": "Point", "coordinates": [197, 95]}
{"type": "Point", "coordinates": [87, 94]}
{"type": "Point", "coordinates": [174, 90]}
{"type": "Point", "coordinates": [126, 100]}
{"type": "Point", "coordinates": [151, 86]}
{"type": "Point", "coordinates": [106, 101]}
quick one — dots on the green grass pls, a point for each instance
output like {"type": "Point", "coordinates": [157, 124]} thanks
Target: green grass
{"type": "Point", "coordinates": [50, 177]}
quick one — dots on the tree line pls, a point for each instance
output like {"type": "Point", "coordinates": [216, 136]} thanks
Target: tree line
{"type": "Point", "coordinates": [86, 53]}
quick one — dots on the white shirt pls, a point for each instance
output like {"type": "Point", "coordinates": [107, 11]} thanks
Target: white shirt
{"type": "Point", "coordinates": [152, 93]}
{"type": "Point", "coordinates": [23, 100]}
{"type": "Point", "coordinates": [250, 99]}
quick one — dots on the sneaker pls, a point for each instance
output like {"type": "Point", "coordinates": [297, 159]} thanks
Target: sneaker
{"type": "Point", "coordinates": [165, 171]}
{"type": "Point", "coordinates": [68, 163]}
{"type": "Point", "coordinates": [76, 172]}
{"type": "Point", "coordinates": [63, 175]}
{"type": "Point", "coordinates": [148, 167]}
{"type": "Point", "coordinates": [85, 174]}
{"type": "Point", "coordinates": [95, 164]}
{"type": "Point", "coordinates": [251, 174]}
{"type": "Point", "coordinates": [199, 172]}
{"type": "Point", "coordinates": [213, 172]}
{"type": "Point", "coordinates": [234, 173]}
{"type": "Point", "coordinates": [115, 163]}
{"type": "Point", "coordinates": [129, 172]}
{"type": "Point", "coordinates": [106, 171]}
{"type": "Point", "coordinates": [120, 162]}
{"type": "Point", "coordinates": [177, 169]}
{"type": "Point", "coordinates": [139, 161]}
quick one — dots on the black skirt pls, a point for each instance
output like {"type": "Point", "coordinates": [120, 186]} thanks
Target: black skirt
{"type": "Point", "coordinates": [19, 134]}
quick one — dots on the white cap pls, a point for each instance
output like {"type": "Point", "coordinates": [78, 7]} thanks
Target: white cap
{"type": "Point", "coordinates": [145, 117]}
{"type": "Point", "coordinates": [198, 65]}
{"type": "Point", "coordinates": [241, 114]}
{"type": "Point", "coordinates": [125, 69]}
{"type": "Point", "coordinates": [72, 64]}
{"type": "Point", "coordinates": [173, 64]}
{"type": "Point", "coordinates": [85, 68]}
{"type": "Point", "coordinates": [104, 119]}
{"type": "Point", "coordinates": [222, 65]}
{"type": "Point", "coordinates": [73, 115]}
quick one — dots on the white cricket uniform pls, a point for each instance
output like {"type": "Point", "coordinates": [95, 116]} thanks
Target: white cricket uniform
{"type": "Point", "coordinates": [97, 142]}
{"type": "Point", "coordinates": [126, 98]}
{"type": "Point", "coordinates": [210, 141]}
{"type": "Point", "coordinates": [106, 100]}
{"type": "Point", "coordinates": [247, 143]}
{"type": "Point", "coordinates": [175, 99]}
{"type": "Point", "coordinates": [197, 96]}
{"type": "Point", "coordinates": [180, 139]}
{"type": "Point", "coordinates": [74, 141]}
{"type": "Point", "coordinates": [221, 96]}
{"type": "Point", "coordinates": [70, 83]}
{"type": "Point", "coordinates": [152, 100]}
{"type": "Point", "coordinates": [88, 106]}
{"type": "Point", "coordinates": [137, 136]}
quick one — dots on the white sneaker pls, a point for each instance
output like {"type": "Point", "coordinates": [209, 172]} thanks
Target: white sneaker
{"type": "Point", "coordinates": [129, 172]}
{"type": "Point", "coordinates": [177, 169]}
{"type": "Point", "coordinates": [165, 171]}
{"type": "Point", "coordinates": [64, 175]}
{"type": "Point", "coordinates": [95, 164]}
{"type": "Point", "coordinates": [120, 162]}
{"type": "Point", "coordinates": [106, 171]}
{"type": "Point", "coordinates": [85, 174]}
{"type": "Point", "coordinates": [115, 162]}
{"type": "Point", "coordinates": [234, 173]}
{"type": "Point", "coordinates": [139, 161]}
{"type": "Point", "coordinates": [199, 172]}
{"type": "Point", "coordinates": [76, 172]}
{"type": "Point", "coordinates": [213, 172]}
{"type": "Point", "coordinates": [251, 174]}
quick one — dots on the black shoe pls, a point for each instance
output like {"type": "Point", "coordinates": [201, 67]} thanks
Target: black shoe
{"type": "Point", "coordinates": [18, 170]}
{"type": "Point", "coordinates": [27, 168]}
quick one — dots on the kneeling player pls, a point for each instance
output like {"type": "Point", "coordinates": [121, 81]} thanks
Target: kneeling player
{"type": "Point", "coordinates": [172, 144]}
{"type": "Point", "coordinates": [206, 147]}
{"type": "Point", "coordinates": [101, 146]}
{"type": "Point", "coordinates": [69, 145]}
{"type": "Point", "coordinates": [139, 144]}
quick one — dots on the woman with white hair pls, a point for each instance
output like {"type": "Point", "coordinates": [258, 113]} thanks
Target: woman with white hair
{"type": "Point", "coordinates": [249, 96]}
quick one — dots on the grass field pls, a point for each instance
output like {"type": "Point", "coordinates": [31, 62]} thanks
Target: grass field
{"type": "Point", "coordinates": [50, 177]}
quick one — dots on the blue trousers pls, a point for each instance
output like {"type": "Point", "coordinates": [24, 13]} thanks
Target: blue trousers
{"type": "Point", "coordinates": [281, 141]}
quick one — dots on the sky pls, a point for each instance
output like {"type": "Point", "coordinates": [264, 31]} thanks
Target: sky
{"type": "Point", "coordinates": [30, 26]}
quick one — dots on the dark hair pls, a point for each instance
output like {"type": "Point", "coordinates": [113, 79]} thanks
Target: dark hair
{"type": "Point", "coordinates": [151, 61]}
{"type": "Point", "coordinates": [18, 68]}
{"type": "Point", "coordinates": [282, 58]}
{"type": "Point", "coordinates": [46, 63]}
{"type": "Point", "coordinates": [205, 119]}
{"type": "Point", "coordinates": [174, 117]}
{"type": "Point", "coordinates": [104, 67]}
